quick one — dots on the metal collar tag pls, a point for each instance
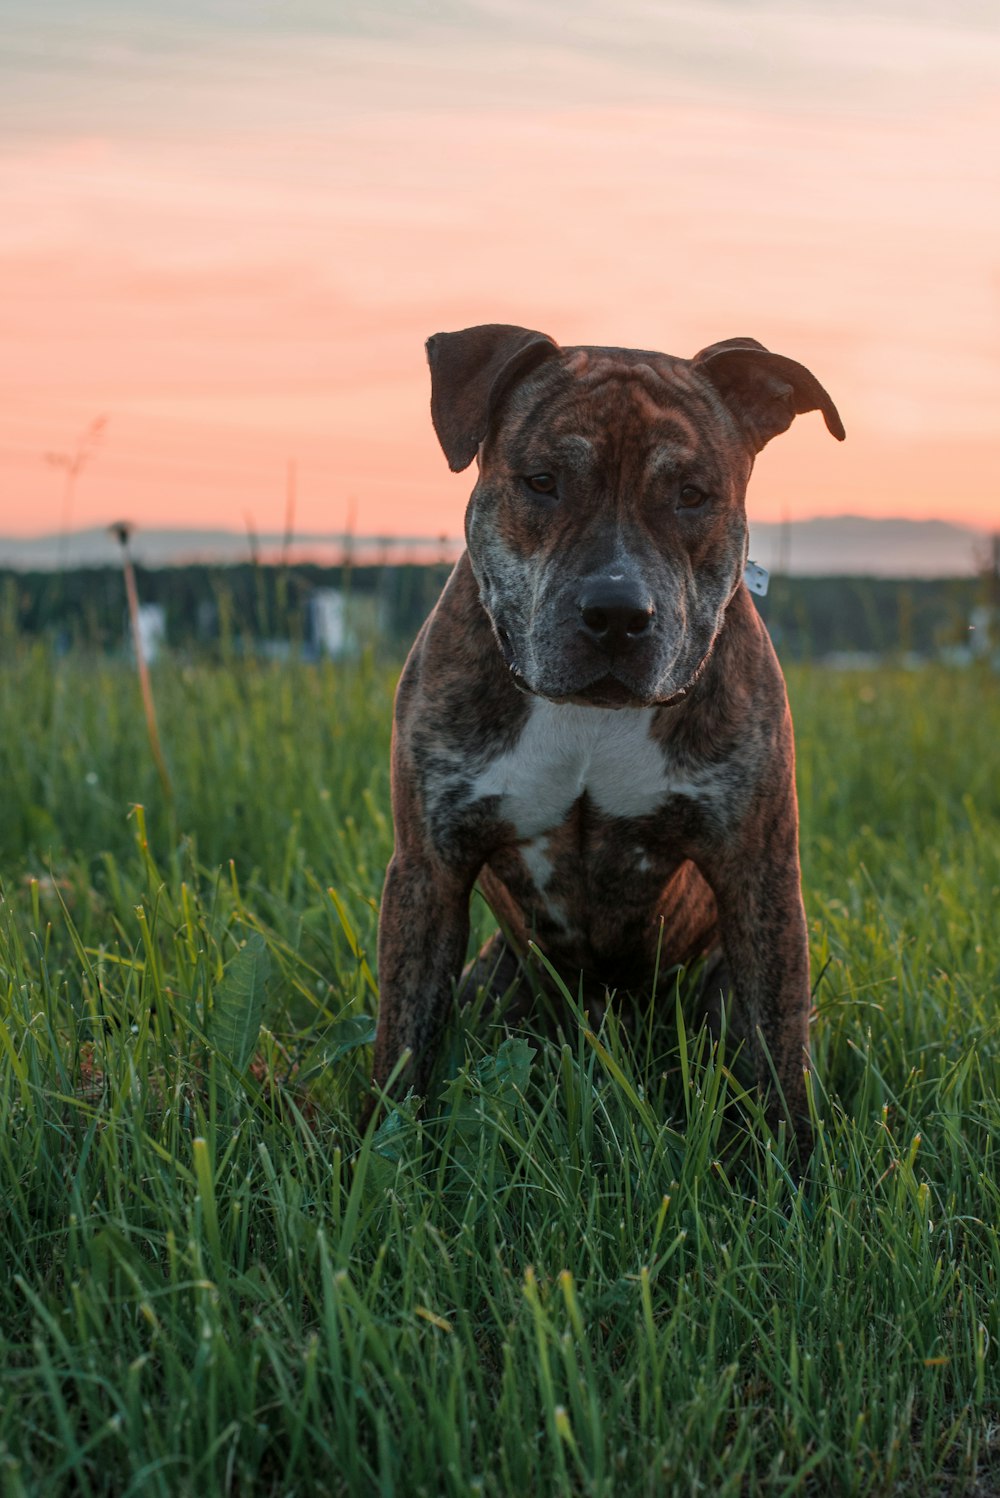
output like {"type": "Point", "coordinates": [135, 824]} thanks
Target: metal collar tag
{"type": "Point", "coordinates": [756, 578]}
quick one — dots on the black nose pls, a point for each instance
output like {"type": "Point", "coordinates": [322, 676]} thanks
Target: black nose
{"type": "Point", "coordinates": [615, 612]}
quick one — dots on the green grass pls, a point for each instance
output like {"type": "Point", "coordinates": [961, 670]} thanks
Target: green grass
{"type": "Point", "coordinates": [556, 1275]}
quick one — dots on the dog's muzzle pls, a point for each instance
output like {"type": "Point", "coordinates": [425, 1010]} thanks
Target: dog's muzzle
{"type": "Point", "coordinates": [615, 613]}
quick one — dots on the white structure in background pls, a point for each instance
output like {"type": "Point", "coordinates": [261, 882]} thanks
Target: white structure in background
{"type": "Point", "coordinates": [329, 629]}
{"type": "Point", "coordinates": [152, 629]}
{"type": "Point", "coordinates": [983, 639]}
{"type": "Point", "coordinates": [982, 625]}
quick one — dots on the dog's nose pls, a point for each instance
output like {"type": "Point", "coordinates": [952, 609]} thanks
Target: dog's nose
{"type": "Point", "coordinates": [615, 611]}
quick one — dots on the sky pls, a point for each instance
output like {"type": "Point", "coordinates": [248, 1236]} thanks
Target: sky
{"type": "Point", "coordinates": [229, 228]}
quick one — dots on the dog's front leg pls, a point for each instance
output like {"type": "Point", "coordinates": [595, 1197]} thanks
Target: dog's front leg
{"type": "Point", "coordinates": [423, 934]}
{"type": "Point", "coordinates": [764, 939]}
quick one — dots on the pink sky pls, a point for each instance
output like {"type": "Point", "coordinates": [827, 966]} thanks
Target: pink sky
{"type": "Point", "coordinates": [231, 236]}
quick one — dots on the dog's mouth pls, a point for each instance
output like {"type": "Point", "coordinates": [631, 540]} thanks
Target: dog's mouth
{"type": "Point", "coordinates": [510, 660]}
{"type": "Point", "coordinates": [507, 651]}
{"type": "Point", "coordinates": [614, 687]}
{"type": "Point", "coordinates": [607, 691]}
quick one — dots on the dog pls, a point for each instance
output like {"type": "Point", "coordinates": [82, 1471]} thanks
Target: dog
{"type": "Point", "coordinates": [592, 723]}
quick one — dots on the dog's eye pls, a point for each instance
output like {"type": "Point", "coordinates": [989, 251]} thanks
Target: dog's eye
{"type": "Point", "coordinates": [691, 497]}
{"type": "Point", "coordinates": [541, 483]}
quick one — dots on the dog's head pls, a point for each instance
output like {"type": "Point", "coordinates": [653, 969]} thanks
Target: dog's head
{"type": "Point", "coordinates": [607, 528]}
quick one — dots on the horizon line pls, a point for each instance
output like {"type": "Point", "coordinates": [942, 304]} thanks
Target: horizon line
{"type": "Point", "coordinates": [352, 537]}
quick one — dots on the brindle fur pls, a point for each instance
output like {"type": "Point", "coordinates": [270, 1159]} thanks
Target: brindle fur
{"type": "Point", "coordinates": [710, 865]}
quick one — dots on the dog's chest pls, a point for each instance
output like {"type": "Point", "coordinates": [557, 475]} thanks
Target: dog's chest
{"type": "Point", "coordinates": [565, 752]}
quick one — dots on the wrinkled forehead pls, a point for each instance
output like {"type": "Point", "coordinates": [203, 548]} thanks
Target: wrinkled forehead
{"type": "Point", "coordinates": [601, 400]}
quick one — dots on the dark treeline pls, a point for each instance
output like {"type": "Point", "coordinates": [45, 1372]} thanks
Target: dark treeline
{"type": "Point", "coordinates": [240, 607]}
{"type": "Point", "coordinates": [810, 617]}
{"type": "Point", "coordinates": [225, 606]}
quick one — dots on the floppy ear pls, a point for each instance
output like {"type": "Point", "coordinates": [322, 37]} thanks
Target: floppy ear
{"type": "Point", "coordinates": [471, 371]}
{"type": "Point", "coordinates": [764, 391]}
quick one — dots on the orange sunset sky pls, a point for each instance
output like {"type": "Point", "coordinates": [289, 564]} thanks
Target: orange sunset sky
{"type": "Point", "coordinates": [228, 228]}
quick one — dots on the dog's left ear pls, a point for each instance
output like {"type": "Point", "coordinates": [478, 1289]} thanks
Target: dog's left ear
{"type": "Point", "coordinates": [471, 372]}
{"type": "Point", "coordinates": [764, 391]}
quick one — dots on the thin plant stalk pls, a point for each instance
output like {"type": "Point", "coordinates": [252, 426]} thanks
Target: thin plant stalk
{"type": "Point", "coordinates": [145, 685]}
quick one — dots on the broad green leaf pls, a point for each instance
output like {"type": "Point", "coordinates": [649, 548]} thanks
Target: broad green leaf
{"type": "Point", "coordinates": [238, 1009]}
{"type": "Point", "coordinates": [341, 1039]}
{"type": "Point", "coordinates": [348, 1035]}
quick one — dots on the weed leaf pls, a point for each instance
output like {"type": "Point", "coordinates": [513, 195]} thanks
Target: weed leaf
{"type": "Point", "coordinates": [498, 1083]}
{"type": "Point", "coordinates": [349, 1035]}
{"type": "Point", "coordinates": [395, 1130]}
{"type": "Point", "coordinates": [341, 1039]}
{"type": "Point", "coordinates": [238, 1009]}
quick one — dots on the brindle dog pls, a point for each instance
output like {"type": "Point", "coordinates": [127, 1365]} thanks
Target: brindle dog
{"type": "Point", "coordinates": [592, 722]}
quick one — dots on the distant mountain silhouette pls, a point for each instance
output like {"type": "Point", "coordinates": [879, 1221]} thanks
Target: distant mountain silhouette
{"type": "Point", "coordinates": [845, 545]}
{"type": "Point", "coordinates": [855, 546]}
{"type": "Point", "coordinates": [155, 547]}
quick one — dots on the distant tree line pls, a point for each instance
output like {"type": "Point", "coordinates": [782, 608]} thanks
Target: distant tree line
{"type": "Point", "coordinates": [224, 608]}
{"type": "Point", "coordinates": [810, 617]}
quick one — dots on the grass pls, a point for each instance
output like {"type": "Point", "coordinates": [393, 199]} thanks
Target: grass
{"type": "Point", "coordinates": [550, 1278]}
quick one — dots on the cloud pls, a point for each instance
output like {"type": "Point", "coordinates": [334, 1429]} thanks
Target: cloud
{"type": "Point", "coordinates": [160, 70]}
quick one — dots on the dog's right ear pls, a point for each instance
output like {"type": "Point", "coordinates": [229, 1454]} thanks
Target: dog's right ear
{"type": "Point", "coordinates": [471, 371]}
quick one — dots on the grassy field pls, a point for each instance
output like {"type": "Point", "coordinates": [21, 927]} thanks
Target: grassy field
{"type": "Point", "coordinates": [550, 1277]}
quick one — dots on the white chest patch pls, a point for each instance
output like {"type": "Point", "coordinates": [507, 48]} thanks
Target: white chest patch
{"type": "Point", "coordinates": [565, 751]}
